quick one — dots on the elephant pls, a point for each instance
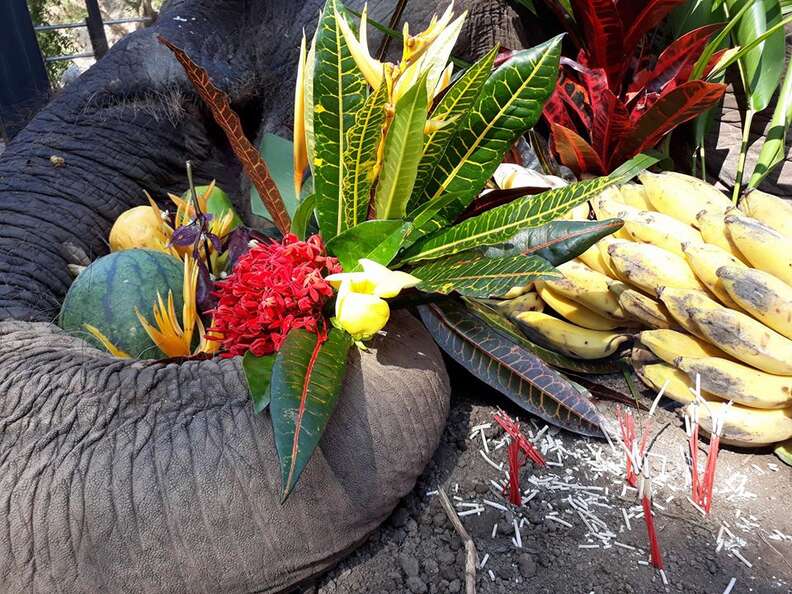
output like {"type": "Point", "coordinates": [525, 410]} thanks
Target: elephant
{"type": "Point", "coordinates": [144, 476]}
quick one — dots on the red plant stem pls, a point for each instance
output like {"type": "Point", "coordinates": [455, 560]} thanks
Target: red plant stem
{"type": "Point", "coordinates": [709, 473]}
{"type": "Point", "coordinates": [627, 424]}
{"type": "Point", "coordinates": [654, 546]}
{"type": "Point", "coordinates": [514, 473]}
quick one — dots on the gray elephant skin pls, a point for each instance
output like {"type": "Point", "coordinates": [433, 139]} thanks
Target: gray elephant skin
{"type": "Point", "coordinates": [119, 476]}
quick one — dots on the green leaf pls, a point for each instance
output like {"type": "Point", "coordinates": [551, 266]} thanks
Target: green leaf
{"type": "Point", "coordinates": [717, 42]}
{"type": "Point", "coordinates": [510, 103]}
{"type": "Point", "coordinates": [277, 154]}
{"type": "Point", "coordinates": [496, 320]}
{"type": "Point", "coordinates": [773, 149]}
{"type": "Point", "coordinates": [453, 107]}
{"type": "Point", "coordinates": [503, 222]}
{"type": "Point", "coordinates": [784, 451]}
{"type": "Point", "coordinates": [339, 91]}
{"type": "Point", "coordinates": [474, 275]}
{"type": "Point", "coordinates": [302, 216]}
{"type": "Point", "coordinates": [360, 158]}
{"type": "Point", "coordinates": [258, 371]}
{"type": "Point", "coordinates": [403, 147]}
{"type": "Point", "coordinates": [762, 66]}
{"type": "Point", "coordinates": [557, 241]}
{"type": "Point", "coordinates": [361, 241]}
{"type": "Point", "coordinates": [511, 369]}
{"type": "Point", "coordinates": [306, 384]}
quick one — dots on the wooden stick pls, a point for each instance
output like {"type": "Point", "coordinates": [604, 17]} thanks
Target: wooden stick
{"type": "Point", "coordinates": [471, 558]}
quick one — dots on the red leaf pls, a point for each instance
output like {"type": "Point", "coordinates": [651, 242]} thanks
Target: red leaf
{"type": "Point", "coordinates": [650, 16]}
{"type": "Point", "coordinates": [555, 111]}
{"type": "Point", "coordinates": [254, 166]}
{"type": "Point", "coordinates": [672, 109]}
{"type": "Point", "coordinates": [602, 27]}
{"type": "Point", "coordinates": [574, 152]}
{"type": "Point", "coordinates": [611, 123]}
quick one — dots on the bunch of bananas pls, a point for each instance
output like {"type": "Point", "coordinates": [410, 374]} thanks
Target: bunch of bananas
{"type": "Point", "coordinates": [703, 289]}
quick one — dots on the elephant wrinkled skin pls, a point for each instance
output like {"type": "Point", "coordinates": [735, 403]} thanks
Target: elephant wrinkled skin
{"type": "Point", "coordinates": [145, 476]}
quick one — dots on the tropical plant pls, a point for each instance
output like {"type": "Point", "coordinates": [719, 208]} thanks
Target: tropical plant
{"type": "Point", "coordinates": [398, 155]}
{"type": "Point", "coordinates": [618, 99]}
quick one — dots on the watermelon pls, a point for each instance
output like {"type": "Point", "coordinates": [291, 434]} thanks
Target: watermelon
{"type": "Point", "coordinates": [107, 292]}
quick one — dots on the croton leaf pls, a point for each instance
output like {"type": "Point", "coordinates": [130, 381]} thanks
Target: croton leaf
{"type": "Point", "coordinates": [452, 108]}
{"type": "Point", "coordinates": [306, 383]}
{"type": "Point", "coordinates": [258, 371]}
{"type": "Point", "coordinates": [403, 148]}
{"type": "Point", "coordinates": [474, 275]}
{"type": "Point", "coordinates": [360, 158]}
{"type": "Point", "coordinates": [602, 27]}
{"type": "Point", "coordinates": [652, 14]}
{"type": "Point", "coordinates": [510, 103]}
{"type": "Point", "coordinates": [360, 241]}
{"type": "Point", "coordinates": [513, 370]}
{"type": "Point", "coordinates": [339, 91]}
{"type": "Point", "coordinates": [557, 241]}
{"type": "Point", "coordinates": [303, 215]}
{"type": "Point", "coordinates": [672, 109]}
{"type": "Point", "coordinates": [610, 124]}
{"type": "Point", "coordinates": [489, 314]}
{"type": "Point", "coordinates": [501, 223]}
{"type": "Point", "coordinates": [574, 152]}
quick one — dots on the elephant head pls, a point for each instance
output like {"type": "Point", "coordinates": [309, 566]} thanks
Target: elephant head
{"type": "Point", "coordinates": [144, 476]}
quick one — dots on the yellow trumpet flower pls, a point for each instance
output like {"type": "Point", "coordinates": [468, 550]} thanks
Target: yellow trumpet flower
{"type": "Point", "coordinates": [362, 315]}
{"type": "Point", "coordinates": [375, 279]}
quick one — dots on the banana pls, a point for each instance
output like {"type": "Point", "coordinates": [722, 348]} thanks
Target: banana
{"type": "Point", "coordinates": [712, 227]}
{"type": "Point", "coordinates": [646, 310]}
{"type": "Point", "coordinates": [573, 311]}
{"type": "Point", "coordinates": [515, 292]}
{"type": "Point", "coordinates": [744, 338]}
{"type": "Point", "coordinates": [649, 267]}
{"type": "Point", "coordinates": [669, 344]}
{"type": "Point", "coordinates": [592, 258]}
{"type": "Point", "coordinates": [660, 230]}
{"type": "Point", "coordinates": [682, 196]}
{"type": "Point", "coordinates": [578, 213]}
{"type": "Point", "coordinates": [677, 385]}
{"type": "Point", "coordinates": [734, 381]}
{"type": "Point", "coordinates": [641, 356]}
{"type": "Point", "coordinates": [588, 288]}
{"type": "Point", "coordinates": [603, 245]}
{"type": "Point", "coordinates": [774, 212]}
{"type": "Point", "coordinates": [760, 294]}
{"type": "Point", "coordinates": [569, 339]}
{"type": "Point", "coordinates": [764, 248]}
{"type": "Point", "coordinates": [527, 302]}
{"type": "Point", "coordinates": [704, 260]}
{"type": "Point", "coordinates": [635, 195]}
{"type": "Point", "coordinates": [680, 301]}
{"type": "Point", "coordinates": [747, 427]}
{"type": "Point", "coordinates": [608, 205]}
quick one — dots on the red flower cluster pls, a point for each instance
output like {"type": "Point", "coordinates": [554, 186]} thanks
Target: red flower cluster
{"type": "Point", "coordinates": [273, 288]}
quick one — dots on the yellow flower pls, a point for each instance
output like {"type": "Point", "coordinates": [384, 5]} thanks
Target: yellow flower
{"type": "Point", "coordinates": [106, 343]}
{"type": "Point", "coordinates": [375, 279]}
{"type": "Point", "coordinates": [370, 67]}
{"type": "Point", "coordinates": [362, 315]}
{"type": "Point", "coordinates": [300, 143]}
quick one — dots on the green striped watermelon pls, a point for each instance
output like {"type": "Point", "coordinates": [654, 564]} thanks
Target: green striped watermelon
{"type": "Point", "coordinates": [107, 292]}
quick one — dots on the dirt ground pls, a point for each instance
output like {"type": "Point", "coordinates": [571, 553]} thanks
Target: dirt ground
{"type": "Point", "coordinates": [747, 536]}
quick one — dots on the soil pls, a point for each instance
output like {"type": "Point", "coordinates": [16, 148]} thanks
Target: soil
{"type": "Point", "coordinates": [417, 550]}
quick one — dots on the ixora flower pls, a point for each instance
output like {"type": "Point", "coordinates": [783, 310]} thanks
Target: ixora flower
{"type": "Point", "coordinates": [273, 288]}
{"type": "Point", "coordinates": [361, 308]}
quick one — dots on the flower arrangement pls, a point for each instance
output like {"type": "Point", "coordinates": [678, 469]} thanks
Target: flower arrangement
{"type": "Point", "coordinates": [398, 156]}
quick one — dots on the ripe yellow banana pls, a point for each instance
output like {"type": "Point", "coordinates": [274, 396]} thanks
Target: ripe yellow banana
{"type": "Point", "coordinates": [589, 288]}
{"type": "Point", "coordinates": [747, 427]}
{"type": "Point", "coordinates": [764, 248]}
{"type": "Point", "coordinates": [704, 260]}
{"type": "Point", "coordinates": [649, 267]}
{"type": "Point", "coordinates": [680, 301]}
{"type": "Point", "coordinates": [744, 339]}
{"type": "Point", "coordinates": [734, 381]}
{"type": "Point", "coordinates": [569, 339]}
{"type": "Point", "coordinates": [682, 196]}
{"type": "Point", "coordinates": [713, 229]}
{"type": "Point", "coordinates": [660, 230]}
{"type": "Point", "coordinates": [635, 195]}
{"type": "Point", "coordinates": [592, 258]}
{"type": "Point", "coordinates": [603, 245]}
{"type": "Point", "coordinates": [774, 212]}
{"type": "Point", "coordinates": [760, 294]}
{"type": "Point", "coordinates": [677, 384]}
{"type": "Point", "coordinates": [669, 344]}
{"type": "Point", "coordinates": [607, 205]}
{"type": "Point", "coordinates": [578, 213]}
{"type": "Point", "coordinates": [527, 302]}
{"type": "Point", "coordinates": [646, 310]}
{"type": "Point", "coordinates": [574, 312]}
